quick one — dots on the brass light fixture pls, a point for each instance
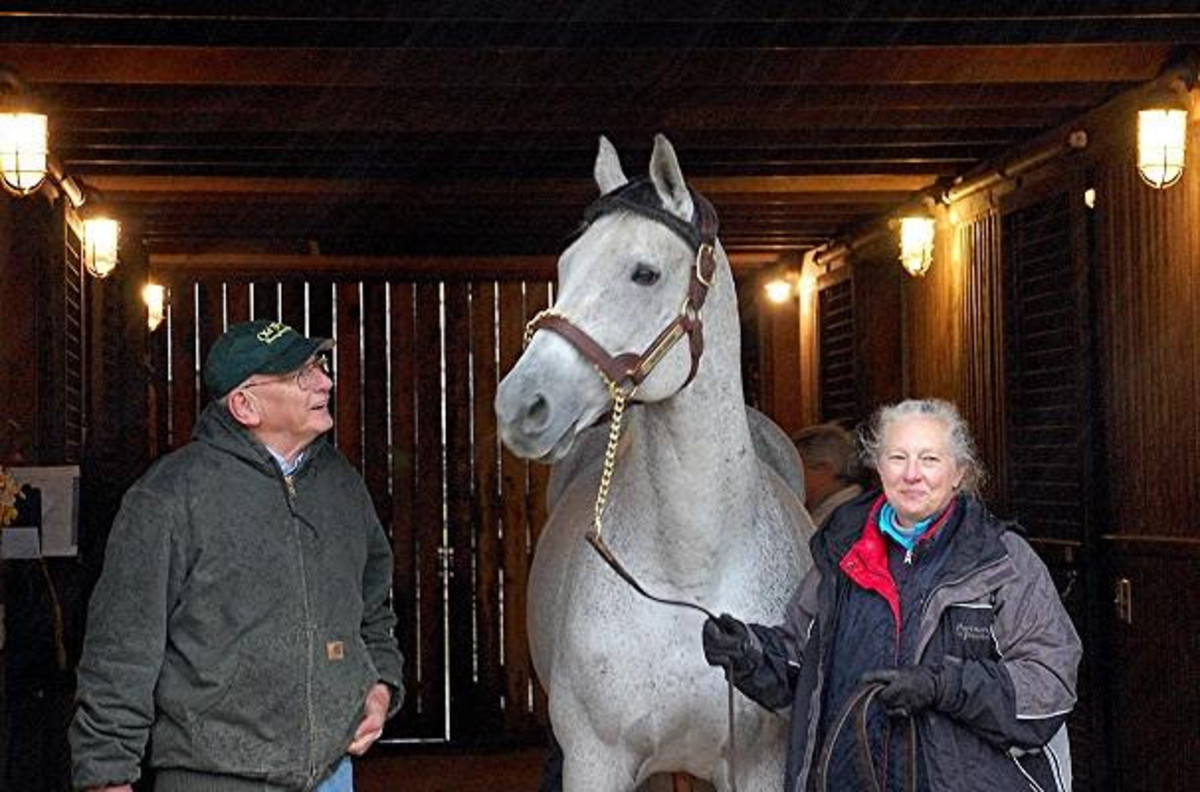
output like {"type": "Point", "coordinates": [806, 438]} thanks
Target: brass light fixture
{"type": "Point", "coordinates": [916, 244]}
{"type": "Point", "coordinates": [155, 297]}
{"type": "Point", "coordinates": [780, 288]}
{"type": "Point", "coordinates": [1162, 138]}
{"type": "Point", "coordinates": [1162, 122]}
{"type": "Point", "coordinates": [24, 137]}
{"type": "Point", "coordinates": [100, 238]}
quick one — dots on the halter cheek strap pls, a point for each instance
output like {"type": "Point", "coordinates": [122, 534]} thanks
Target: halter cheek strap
{"type": "Point", "coordinates": [629, 369]}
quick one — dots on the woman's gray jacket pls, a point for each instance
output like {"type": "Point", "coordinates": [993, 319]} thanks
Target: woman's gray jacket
{"type": "Point", "coordinates": [240, 619]}
{"type": "Point", "coordinates": [990, 622]}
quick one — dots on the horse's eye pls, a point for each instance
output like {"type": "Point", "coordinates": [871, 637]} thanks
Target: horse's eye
{"type": "Point", "coordinates": [644, 275]}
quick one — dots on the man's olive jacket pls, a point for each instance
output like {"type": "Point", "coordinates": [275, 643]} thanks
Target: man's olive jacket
{"type": "Point", "coordinates": [240, 619]}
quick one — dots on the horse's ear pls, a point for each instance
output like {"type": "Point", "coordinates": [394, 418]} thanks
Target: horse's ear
{"type": "Point", "coordinates": [607, 170]}
{"type": "Point", "coordinates": [668, 179]}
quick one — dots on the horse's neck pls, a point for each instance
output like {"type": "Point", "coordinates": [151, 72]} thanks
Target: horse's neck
{"type": "Point", "coordinates": [694, 459]}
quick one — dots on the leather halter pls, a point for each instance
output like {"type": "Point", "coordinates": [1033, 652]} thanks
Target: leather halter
{"type": "Point", "coordinates": [630, 368]}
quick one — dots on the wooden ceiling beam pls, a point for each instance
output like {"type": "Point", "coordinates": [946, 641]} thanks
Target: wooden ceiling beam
{"type": "Point", "coordinates": [233, 264]}
{"type": "Point", "coordinates": [207, 99]}
{"type": "Point", "coordinates": [219, 188]}
{"type": "Point", "coordinates": [592, 26]}
{"type": "Point", "coordinates": [501, 118]}
{"type": "Point", "coordinates": [203, 65]}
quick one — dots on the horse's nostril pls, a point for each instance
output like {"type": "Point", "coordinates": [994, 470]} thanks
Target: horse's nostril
{"type": "Point", "coordinates": [537, 415]}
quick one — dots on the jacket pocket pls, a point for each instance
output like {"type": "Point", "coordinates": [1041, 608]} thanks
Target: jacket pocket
{"type": "Point", "coordinates": [969, 633]}
{"type": "Point", "coordinates": [250, 725]}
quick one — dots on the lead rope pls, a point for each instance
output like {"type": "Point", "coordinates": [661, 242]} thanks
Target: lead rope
{"type": "Point", "coordinates": [619, 399]}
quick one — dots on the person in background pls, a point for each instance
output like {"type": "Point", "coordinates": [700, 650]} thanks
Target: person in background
{"type": "Point", "coordinates": [241, 634]}
{"type": "Point", "coordinates": [926, 615]}
{"type": "Point", "coordinates": [830, 469]}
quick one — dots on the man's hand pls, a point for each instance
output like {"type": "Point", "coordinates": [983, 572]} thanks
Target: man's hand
{"type": "Point", "coordinates": [726, 641]}
{"type": "Point", "coordinates": [906, 691]}
{"type": "Point", "coordinates": [374, 713]}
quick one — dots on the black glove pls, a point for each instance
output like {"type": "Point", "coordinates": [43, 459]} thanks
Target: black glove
{"type": "Point", "coordinates": [726, 641]}
{"type": "Point", "coordinates": [907, 690]}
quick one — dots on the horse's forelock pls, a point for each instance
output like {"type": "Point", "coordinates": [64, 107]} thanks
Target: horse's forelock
{"type": "Point", "coordinates": [642, 198]}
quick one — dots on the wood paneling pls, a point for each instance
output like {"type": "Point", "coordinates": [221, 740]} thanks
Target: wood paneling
{"type": "Point", "coordinates": [1153, 696]}
{"type": "Point", "coordinates": [348, 427]}
{"type": "Point", "coordinates": [23, 262]}
{"type": "Point", "coordinates": [932, 325]}
{"type": "Point", "coordinates": [878, 346]}
{"type": "Point", "coordinates": [976, 248]}
{"type": "Point", "coordinates": [403, 434]}
{"type": "Point", "coordinates": [1148, 244]}
{"type": "Point", "coordinates": [428, 525]}
{"type": "Point", "coordinates": [515, 520]}
{"type": "Point", "coordinates": [460, 528]}
{"type": "Point", "coordinates": [487, 511]}
{"type": "Point", "coordinates": [837, 381]}
{"type": "Point", "coordinates": [183, 373]}
{"type": "Point", "coordinates": [1047, 370]}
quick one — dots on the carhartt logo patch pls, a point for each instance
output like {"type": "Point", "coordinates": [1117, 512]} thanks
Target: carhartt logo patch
{"type": "Point", "coordinates": [273, 332]}
{"type": "Point", "coordinates": [335, 650]}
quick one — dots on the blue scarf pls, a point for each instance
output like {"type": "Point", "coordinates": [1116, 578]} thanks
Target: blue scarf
{"type": "Point", "coordinates": [905, 537]}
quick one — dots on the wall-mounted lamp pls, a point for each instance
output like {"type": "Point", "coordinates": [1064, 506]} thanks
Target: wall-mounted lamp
{"type": "Point", "coordinates": [155, 297]}
{"type": "Point", "coordinates": [781, 288]}
{"type": "Point", "coordinates": [24, 137]}
{"type": "Point", "coordinates": [1162, 124]}
{"type": "Point", "coordinates": [1162, 138]}
{"type": "Point", "coordinates": [916, 244]}
{"type": "Point", "coordinates": [100, 235]}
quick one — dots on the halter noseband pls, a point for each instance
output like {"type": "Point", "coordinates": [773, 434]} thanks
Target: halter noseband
{"type": "Point", "coordinates": [641, 198]}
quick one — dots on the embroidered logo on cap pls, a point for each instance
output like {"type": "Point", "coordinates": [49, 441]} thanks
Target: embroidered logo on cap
{"type": "Point", "coordinates": [273, 332]}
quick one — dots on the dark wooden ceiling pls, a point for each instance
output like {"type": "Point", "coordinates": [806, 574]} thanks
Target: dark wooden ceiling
{"type": "Point", "coordinates": [468, 129]}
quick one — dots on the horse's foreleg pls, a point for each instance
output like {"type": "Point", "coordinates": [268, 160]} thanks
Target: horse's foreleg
{"type": "Point", "coordinates": [601, 770]}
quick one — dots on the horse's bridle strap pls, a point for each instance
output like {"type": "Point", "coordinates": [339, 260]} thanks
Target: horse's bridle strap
{"type": "Point", "coordinates": [629, 367]}
{"type": "Point", "coordinates": [617, 368]}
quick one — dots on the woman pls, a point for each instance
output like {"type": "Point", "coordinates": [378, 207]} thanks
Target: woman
{"type": "Point", "coordinates": [932, 614]}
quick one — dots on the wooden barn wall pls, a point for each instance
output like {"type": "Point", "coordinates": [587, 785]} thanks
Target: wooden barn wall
{"type": "Point", "coordinates": [1147, 252]}
{"type": "Point", "coordinates": [932, 325]}
{"type": "Point", "coordinates": [416, 367]}
{"type": "Point", "coordinates": [974, 248]}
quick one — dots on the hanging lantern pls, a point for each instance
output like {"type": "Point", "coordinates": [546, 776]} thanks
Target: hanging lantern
{"type": "Point", "coordinates": [155, 297]}
{"type": "Point", "coordinates": [1162, 139]}
{"type": "Point", "coordinates": [916, 244]}
{"type": "Point", "coordinates": [23, 144]}
{"type": "Point", "coordinates": [100, 245]}
{"type": "Point", "coordinates": [779, 290]}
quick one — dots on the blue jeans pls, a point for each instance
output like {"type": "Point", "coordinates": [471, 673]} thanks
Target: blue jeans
{"type": "Point", "coordinates": [342, 779]}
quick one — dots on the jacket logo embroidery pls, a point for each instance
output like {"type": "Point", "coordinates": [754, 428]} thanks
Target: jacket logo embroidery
{"type": "Point", "coordinates": [273, 332]}
{"type": "Point", "coordinates": [335, 650]}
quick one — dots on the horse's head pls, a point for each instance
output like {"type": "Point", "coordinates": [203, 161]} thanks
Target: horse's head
{"type": "Point", "coordinates": [621, 285]}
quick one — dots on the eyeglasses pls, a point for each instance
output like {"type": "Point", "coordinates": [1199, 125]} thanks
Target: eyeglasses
{"type": "Point", "coordinates": [307, 378]}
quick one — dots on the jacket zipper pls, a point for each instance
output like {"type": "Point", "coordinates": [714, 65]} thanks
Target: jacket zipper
{"type": "Point", "coordinates": [290, 485]}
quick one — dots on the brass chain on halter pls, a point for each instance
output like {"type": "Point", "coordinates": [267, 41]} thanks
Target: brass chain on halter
{"type": "Point", "coordinates": [619, 397]}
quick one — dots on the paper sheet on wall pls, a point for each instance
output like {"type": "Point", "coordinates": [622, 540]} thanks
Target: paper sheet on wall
{"type": "Point", "coordinates": [60, 505]}
{"type": "Point", "coordinates": [19, 543]}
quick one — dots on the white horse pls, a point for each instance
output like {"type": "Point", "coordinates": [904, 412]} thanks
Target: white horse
{"type": "Point", "coordinates": [693, 513]}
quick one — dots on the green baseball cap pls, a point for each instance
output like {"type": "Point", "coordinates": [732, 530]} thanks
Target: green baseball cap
{"type": "Point", "coordinates": [258, 347]}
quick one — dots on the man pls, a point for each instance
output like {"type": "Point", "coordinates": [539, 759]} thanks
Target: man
{"type": "Point", "coordinates": [830, 469]}
{"type": "Point", "coordinates": [242, 626]}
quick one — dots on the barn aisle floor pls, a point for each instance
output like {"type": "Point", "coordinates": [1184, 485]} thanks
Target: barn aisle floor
{"type": "Point", "coordinates": [389, 770]}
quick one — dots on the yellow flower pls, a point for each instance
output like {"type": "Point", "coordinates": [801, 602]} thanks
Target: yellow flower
{"type": "Point", "coordinates": [10, 492]}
